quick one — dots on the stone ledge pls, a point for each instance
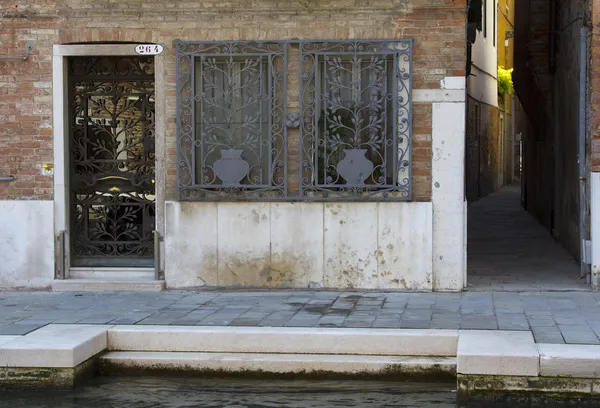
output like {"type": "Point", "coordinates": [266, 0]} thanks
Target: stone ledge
{"type": "Point", "coordinates": [300, 364]}
{"type": "Point", "coordinates": [569, 360]}
{"type": "Point", "coordinates": [47, 377]}
{"type": "Point", "coordinates": [285, 340]}
{"type": "Point", "coordinates": [107, 285]}
{"type": "Point", "coordinates": [491, 388]}
{"type": "Point", "coordinates": [54, 346]}
{"type": "Point", "coordinates": [496, 352]}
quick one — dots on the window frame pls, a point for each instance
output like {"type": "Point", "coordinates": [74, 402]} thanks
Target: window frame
{"type": "Point", "coordinates": [189, 137]}
{"type": "Point", "coordinates": [401, 113]}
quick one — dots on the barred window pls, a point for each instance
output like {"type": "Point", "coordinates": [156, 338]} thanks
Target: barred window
{"type": "Point", "coordinates": [354, 120]}
{"type": "Point", "coordinates": [230, 120]}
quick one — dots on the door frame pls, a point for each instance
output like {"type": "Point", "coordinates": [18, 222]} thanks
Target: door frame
{"type": "Point", "coordinates": [61, 144]}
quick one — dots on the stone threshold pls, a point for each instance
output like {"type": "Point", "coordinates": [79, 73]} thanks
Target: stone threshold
{"type": "Point", "coordinates": [486, 364]}
{"type": "Point", "coordinates": [108, 284]}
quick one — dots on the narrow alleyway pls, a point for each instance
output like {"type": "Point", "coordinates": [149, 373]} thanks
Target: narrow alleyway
{"type": "Point", "coordinates": [509, 250]}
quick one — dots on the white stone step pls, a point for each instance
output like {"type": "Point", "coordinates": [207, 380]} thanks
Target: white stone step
{"type": "Point", "coordinates": [496, 352]}
{"type": "Point", "coordinates": [569, 360]}
{"type": "Point", "coordinates": [280, 363]}
{"type": "Point", "coordinates": [284, 340]}
{"type": "Point", "coordinates": [107, 285]}
{"type": "Point", "coordinates": [111, 273]}
{"type": "Point", "coordinates": [55, 345]}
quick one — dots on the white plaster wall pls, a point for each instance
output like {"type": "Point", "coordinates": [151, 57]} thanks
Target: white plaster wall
{"type": "Point", "coordinates": [26, 244]}
{"type": "Point", "coordinates": [299, 245]}
{"type": "Point", "coordinates": [482, 84]}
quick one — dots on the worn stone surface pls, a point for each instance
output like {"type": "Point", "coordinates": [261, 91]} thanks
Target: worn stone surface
{"type": "Point", "coordinates": [299, 245]}
{"type": "Point", "coordinates": [404, 246]}
{"type": "Point", "coordinates": [449, 240]}
{"type": "Point", "coordinates": [497, 352]}
{"type": "Point", "coordinates": [508, 250]}
{"type": "Point", "coordinates": [506, 388]}
{"type": "Point", "coordinates": [540, 312]}
{"type": "Point", "coordinates": [287, 340]}
{"type": "Point", "coordinates": [26, 241]}
{"type": "Point", "coordinates": [578, 361]}
{"type": "Point", "coordinates": [55, 346]}
{"type": "Point", "coordinates": [350, 245]}
{"type": "Point", "coordinates": [263, 364]}
{"type": "Point", "coordinates": [191, 244]}
{"type": "Point", "coordinates": [296, 251]}
{"type": "Point", "coordinates": [47, 377]}
{"type": "Point", "coordinates": [243, 244]}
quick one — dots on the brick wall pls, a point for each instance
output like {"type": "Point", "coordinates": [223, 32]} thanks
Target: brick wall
{"type": "Point", "coordinates": [438, 26]}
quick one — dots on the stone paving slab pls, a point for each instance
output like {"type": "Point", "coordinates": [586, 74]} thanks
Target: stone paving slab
{"type": "Point", "coordinates": [553, 317]}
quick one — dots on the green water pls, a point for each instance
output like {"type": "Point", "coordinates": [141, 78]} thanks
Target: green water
{"type": "Point", "coordinates": [168, 392]}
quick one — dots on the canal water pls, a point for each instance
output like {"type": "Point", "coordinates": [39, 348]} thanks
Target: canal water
{"type": "Point", "coordinates": [167, 392]}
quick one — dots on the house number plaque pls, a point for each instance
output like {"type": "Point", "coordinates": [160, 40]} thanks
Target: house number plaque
{"type": "Point", "coordinates": [149, 49]}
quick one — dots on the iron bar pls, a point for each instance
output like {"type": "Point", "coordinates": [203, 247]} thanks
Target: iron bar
{"type": "Point", "coordinates": [7, 178]}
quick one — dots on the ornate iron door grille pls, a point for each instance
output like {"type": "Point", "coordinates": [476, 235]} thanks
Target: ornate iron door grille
{"type": "Point", "coordinates": [355, 99]}
{"type": "Point", "coordinates": [111, 128]}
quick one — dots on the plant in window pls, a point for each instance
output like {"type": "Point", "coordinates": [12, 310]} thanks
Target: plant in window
{"type": "Point", "coordinates": [505, 82]}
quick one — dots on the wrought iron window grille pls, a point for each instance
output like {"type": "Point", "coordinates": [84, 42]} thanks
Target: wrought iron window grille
{"type": "Point", "coordinates": [353, 137]}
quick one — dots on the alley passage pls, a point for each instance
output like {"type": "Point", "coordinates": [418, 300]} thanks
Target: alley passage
{"type": "Point", "coordinates": [508, 249]}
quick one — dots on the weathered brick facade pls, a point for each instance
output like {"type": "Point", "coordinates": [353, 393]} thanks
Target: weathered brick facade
{"type": "Point", "coordinates": [26, 88]}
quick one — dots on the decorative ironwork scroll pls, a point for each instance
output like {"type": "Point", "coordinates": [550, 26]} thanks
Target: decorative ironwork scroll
{"type": "Point", "coordinates": [355, 99]}
{"type": "Point", "coordinates": [232, 139]}
{"type": "Point", "coordinates": [111, 120]}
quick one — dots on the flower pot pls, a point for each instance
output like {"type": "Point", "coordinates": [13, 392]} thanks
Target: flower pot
{"type": "Point", "coordinates": [355, 168]}
{"type": "Point", "coordinates": [231, 168]}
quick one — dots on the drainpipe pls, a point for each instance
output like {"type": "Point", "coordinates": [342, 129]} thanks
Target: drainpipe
{"type": "Point", "coordinates": [581, 153]}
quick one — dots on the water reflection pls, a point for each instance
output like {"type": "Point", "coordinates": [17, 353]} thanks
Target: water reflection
{"type": "Point", "coordinates": [151, 392]}
{"type": "Point", "coordinates": [148, 392]}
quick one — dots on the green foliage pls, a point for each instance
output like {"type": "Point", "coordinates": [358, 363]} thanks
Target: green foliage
{"type": "Point", "coordinates": [505, 82]}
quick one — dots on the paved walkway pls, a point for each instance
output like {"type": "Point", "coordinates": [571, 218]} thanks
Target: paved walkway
{"type": "Point", "coordinates": [509, 250]}
{"type": "Point", "coordinates": [554, 317]}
